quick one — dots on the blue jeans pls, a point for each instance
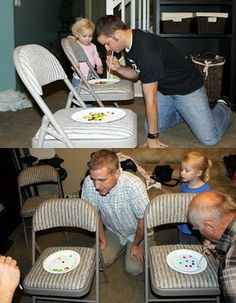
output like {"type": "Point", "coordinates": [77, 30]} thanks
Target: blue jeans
{"type": "Point", "coordinates": [207, 125]}
{"type": "Point", "coordinates": [75, 82]}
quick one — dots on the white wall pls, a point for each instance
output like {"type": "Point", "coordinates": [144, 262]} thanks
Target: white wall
{"type": "Point", "coordinates": [75, 163]}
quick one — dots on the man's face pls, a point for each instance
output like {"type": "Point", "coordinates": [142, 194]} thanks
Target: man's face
{"type": "Point", "coordinates": [103, 180]}
{"type": "Point", "coordinates": [113, 43]}
{"type": "Point", "coordinates": [208, 230]}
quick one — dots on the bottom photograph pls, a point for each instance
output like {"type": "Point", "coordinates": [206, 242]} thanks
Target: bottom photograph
{"type": "Point", "coordinates": [118, 225]}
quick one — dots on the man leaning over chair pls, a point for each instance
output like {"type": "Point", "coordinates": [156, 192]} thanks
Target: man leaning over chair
{"type": "Point", "coordinates": [214, 215]}
{"type": "Point", "coordinates": [121, 199]}
{"type": "Point", "coordinates": [173, 88]}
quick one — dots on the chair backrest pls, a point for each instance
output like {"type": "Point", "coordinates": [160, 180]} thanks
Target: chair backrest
{"type": "Point", "coordinates": [167, 209]}
{"type": "Point", "coordinates": [76, 55]}
{"type": "Point", "coordinates": [37, 67]}
{"type": "Point", "coordinates": [65, 212]}
{"type": "Point", "coordinates": [37, 174]}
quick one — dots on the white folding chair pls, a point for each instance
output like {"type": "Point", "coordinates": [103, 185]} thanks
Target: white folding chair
{"type": "Point", "coordinates": [119, 91]}
{"type": "Point", "coordinates": [37, 67]}
{"type": "Point", "coordinates": [167, 284]}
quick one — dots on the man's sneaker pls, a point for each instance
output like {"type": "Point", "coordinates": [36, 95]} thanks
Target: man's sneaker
{"type": "Point", "coordinates": [223, 100]}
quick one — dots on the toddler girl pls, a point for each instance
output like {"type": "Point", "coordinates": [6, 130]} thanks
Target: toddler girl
{"type": "Point", "coordinates": [83, 30]}
{"type": "Point", "coordinates": [195, 172]}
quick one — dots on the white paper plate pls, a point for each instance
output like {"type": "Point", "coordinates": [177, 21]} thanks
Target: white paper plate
{"type": "Point", "coordinates": [98, 115]}
{"type": "Point", "coordinates": [186, 261]}
{"type": "Point", "coordinates": [104, 81]}
{"type": "Point", "coordinates": [61, 261]}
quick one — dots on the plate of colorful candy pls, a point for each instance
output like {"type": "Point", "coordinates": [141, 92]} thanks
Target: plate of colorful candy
{"type": "Point", "coordinates": [186, 261]}
{"type": "Point", "coordinates": [103, 81]}
{"type": "Point", "coordinates": [61, 261]}
{"type": "Point", "coordinates": [98, 115]}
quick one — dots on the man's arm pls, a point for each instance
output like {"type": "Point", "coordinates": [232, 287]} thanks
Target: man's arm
{"type": "Point", "coordinates": [102, 236]}
{"type": "Point", "coordinates": [9, 278]}
{"type": "Point", "coordinates": [125, 71]}
{"type": "Point", "coordinates": [136, 251]}
{"type": "Point", "coordinates": [150, 96]}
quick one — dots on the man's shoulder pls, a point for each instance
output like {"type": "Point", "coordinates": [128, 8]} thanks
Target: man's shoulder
{"type": "Point", "coordinates": [128, 176]}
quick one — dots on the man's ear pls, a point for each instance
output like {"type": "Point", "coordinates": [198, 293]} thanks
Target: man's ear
{"type": "Point", "coordinates": [118, 34]}
{"type": "Point", "coordinates": [210, 226]}
{"type": "Point", "coordinates": [117, 173]}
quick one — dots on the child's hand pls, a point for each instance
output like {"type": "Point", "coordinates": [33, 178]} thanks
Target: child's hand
{"type": "Point", "coordinates": [99, 70]}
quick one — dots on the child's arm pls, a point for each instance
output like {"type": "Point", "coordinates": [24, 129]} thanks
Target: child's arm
{"type": "Point", "coordinates": [98, 61]}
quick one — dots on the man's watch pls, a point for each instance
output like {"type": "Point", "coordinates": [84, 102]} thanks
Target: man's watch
{"type": "Point", "coordinates": [153, 136]}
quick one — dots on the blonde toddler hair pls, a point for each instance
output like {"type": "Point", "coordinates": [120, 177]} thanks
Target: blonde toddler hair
{"type": "Point", "coordinates": [82, 26]}
{"type": "Point", "coordinates": [199, 161]}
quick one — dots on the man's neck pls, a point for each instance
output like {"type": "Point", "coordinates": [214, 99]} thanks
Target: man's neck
{"type": "Point", "coordinates": [128, 39]}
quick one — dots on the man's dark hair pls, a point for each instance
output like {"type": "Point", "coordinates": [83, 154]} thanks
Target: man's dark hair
{"type": "Point", "coordinates": [108, 24]}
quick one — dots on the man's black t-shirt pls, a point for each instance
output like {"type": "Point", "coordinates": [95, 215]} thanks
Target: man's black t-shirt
{"type": "Point", "coordinates": [156, 59]}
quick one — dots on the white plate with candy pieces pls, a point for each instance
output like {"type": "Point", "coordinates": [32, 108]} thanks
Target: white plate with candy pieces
{"type": "Point", "coordinates": [103, 81]}
{"type": "Point", "coordinates": [98, 115]}
{"type": "Point", "coordinates": [186, 261]}
{"type": "Point", "coordinates": [61, 261]}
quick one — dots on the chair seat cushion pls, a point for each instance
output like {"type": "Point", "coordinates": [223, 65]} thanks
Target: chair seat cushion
{"type": "Point", "coordinates": [119, 133]}
{"type": "Point", "coordinates": [166, 281]}
{"type": "Point", "coordinates": [122, 90]}
{"type": "Point", "coordinates": [72, 284]}
{"type": "Point", "coordinates": [32, 203]}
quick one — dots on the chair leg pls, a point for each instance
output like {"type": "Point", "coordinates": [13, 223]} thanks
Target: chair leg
{"type": "Point", "coordinates": [42, 131]}
{"type": "Point", "coordinates": [38, 248]}
{"type": "Point", "coordinates": [67, 238]}
{"type": "Point", "coordinates": [103, 267]}
{"type": "Point", "coordinates": [69, 100]}
{"type": "Point", "coordinates": [25, 232]}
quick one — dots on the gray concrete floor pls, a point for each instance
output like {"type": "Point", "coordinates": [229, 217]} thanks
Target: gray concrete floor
{"type": "Point", "coordinates": [17, 128]}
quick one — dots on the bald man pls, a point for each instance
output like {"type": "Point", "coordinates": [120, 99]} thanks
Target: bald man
{"type": "Point", "coordinates": [214, 215]}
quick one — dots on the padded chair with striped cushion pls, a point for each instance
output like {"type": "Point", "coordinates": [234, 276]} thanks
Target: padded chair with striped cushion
{"type": "Point", "coordinates": [167, 284]}
{"type": "Point", "coordinates": [75, 284]}
{"type": "Point", "coordinates": [29, 179]}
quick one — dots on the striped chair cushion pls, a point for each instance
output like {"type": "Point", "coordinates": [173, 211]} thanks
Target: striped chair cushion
{"type": "Point", "coordinates": [166, 280]}
{"type": "Point", "coordinates": [74, 283]}
{"type": "Point", "coordinates": [30, 205]}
